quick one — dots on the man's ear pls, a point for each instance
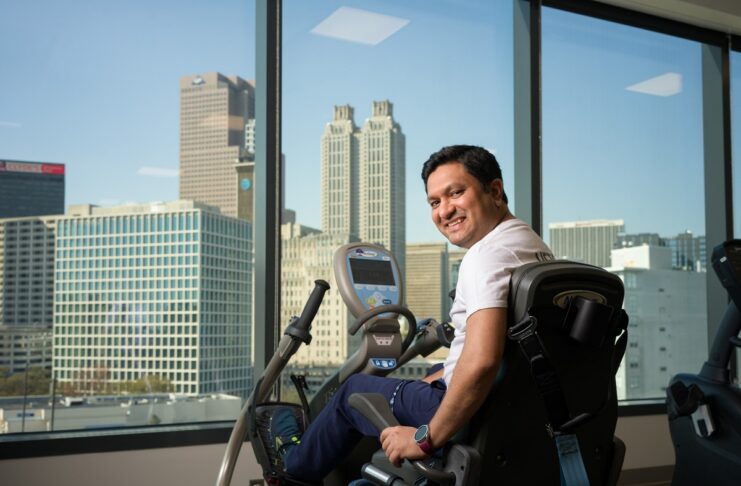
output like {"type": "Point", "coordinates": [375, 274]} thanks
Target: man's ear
{"type": "Point", "coordinates": [497, 188]}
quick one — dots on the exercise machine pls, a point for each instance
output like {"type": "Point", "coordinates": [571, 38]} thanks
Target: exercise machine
{"type": "Point", "coordinates": [704, 409]}
{"type": "Point", "coordinates": [551, 413]}
{"type": "Point", "coordinates": [369, 281]}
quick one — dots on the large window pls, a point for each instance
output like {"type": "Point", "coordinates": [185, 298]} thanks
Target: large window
{"type": "Point", "coordinates": [126, 155]}
{"type": "Point", "coordinates": [370, 90]}
{"type": "Point", "coordinates": [623, 181]}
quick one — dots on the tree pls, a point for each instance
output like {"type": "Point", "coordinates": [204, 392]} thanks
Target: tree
{"type": "Point", "coordinates": [33, 381]}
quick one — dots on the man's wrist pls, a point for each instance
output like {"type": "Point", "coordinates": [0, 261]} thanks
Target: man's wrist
{"type": "Point", "coordinates": [422, 437]}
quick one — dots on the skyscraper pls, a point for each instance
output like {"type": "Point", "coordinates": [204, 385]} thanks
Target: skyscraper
{"type": "Point", "coordinates": [363, 178]}
{"type": "Point", "coordinates": [341, 174]}
{"type": "Point", "coordinates": [26, 292]}
{"type": "Point", "coordinates": [31, 189]}
{"type": "Point", "coordinates": [585, 241]}
{"type": "Point", "coordinates": [27, 271]}
{"type": "Point", "coordinates": [665, 306]}
{"type": "Point", "coordinates": [213, 112]}
{"type": "Point", "coordinates": [307, 255]}
{"type": "Point", "coordinates": [689, 252]}
{"type": "Point", "coordinates": [426, 280]}
{"type": "Point", "coordinates": [158, 289]}
{"type": "Point", "coordinates": [383, 182]}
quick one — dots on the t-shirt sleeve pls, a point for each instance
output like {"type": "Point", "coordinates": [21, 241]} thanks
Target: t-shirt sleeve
{"type": "Point", "coordinates": [491, 272]}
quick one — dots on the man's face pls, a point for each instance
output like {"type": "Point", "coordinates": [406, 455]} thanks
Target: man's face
{"type": "Point", "coordinates": [461, 209]}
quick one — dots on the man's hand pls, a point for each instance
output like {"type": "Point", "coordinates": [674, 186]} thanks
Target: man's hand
{"type": "Point", "coordinates": [398, 443]}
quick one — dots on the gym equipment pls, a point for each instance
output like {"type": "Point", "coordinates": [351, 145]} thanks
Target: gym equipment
{"type": "Point", "coordinates": [370, 283]}
{"type": "Point", "coordinates": [553, 409]}
{"type": "Point", "coordinates": [705, 409]}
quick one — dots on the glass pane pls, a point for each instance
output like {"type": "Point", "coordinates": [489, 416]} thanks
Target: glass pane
{"type": "Point", "coordinates": [125, 249]}
{"type": "Point", "coordinates": [623, 182]}
{"type": "Point", "coordinates": [369, 92]}
{"type": "Point", "coordinates": [736, 139]}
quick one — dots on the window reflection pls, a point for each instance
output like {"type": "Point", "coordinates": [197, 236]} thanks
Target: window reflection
{"type": "Point", "coordinates": [623, 182]}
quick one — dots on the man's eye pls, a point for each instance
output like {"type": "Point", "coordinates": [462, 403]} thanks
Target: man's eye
{"type": "Point", "coordinates": [457, 192]}
{"type": "Point", "coordinates": [434, 204]}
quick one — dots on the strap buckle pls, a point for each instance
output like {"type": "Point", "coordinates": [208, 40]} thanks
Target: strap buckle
{"type": "Point", "coordinates": [523, 329]}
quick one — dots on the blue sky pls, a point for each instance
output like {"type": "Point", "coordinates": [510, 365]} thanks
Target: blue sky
{"type": "Point", "coordinates": [95, 85]}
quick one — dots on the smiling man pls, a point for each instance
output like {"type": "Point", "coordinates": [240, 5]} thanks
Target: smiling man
{"type": "Point", "coordinates": [466, 195]}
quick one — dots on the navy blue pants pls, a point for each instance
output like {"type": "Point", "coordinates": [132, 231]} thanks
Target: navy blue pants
{"type": "Point", "coordinates": [338, 428]}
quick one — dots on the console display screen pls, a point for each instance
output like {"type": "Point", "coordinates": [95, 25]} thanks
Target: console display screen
{"type": "Point", "coordinates": [372, 272]}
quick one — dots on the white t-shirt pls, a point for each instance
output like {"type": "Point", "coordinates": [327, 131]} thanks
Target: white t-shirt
{"type": "Point", "coordinates": [484, 275]}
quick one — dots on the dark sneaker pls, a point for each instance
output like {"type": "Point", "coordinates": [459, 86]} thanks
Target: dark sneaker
{"type": "Point", "coordinates": [284, 432]}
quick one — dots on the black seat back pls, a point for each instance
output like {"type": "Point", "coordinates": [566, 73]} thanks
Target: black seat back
{"type": "Point", "coordinates": [510, 429]}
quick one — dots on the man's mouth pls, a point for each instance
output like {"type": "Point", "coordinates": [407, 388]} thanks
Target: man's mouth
{"type": "Point", "coordinates": [454, 223]}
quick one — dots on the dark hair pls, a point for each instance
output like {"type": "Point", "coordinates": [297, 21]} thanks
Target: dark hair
{"type": "Point", "coordinates": [478, 162]}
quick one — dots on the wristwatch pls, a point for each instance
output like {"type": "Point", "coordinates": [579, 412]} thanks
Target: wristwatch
{"type": "Point", "coordinates": [422, 438]}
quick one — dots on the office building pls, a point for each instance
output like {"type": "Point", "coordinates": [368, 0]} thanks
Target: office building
{"type": "Point", "coordinates": [363, 178]}
{"type": "Point", "coordinates": [667, 310]}
{"type": "Point", "coordinates": [383, 181]}
{"type": "Point", "coordinates": [27, 271]}
{"type": "Point", "coordinates": [426, 284]}
{"type": "Point", "coordinates": [426, 280]}
{"type": "Point", "coordinates": [341, 174]}
{"type": "Point", "coordinates": [31, 188]}
{"type": "Point", "coordinates": [23, 347]}
{"type": "Point", "coordinates": [160, 289]}
{"type": "Point", "coordinates": [214, 110]}
{"type": "Point", "coordinates": [307, 255]}
{"type": "Point", "coordinates": [585, 241]}
{"type": "Point", "coordinates": [688, 252]}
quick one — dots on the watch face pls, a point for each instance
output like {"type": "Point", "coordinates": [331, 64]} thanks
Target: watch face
{"type": "Point", "coordinates": [421, 433]}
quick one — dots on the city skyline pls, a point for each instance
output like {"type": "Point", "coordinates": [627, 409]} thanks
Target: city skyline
{"type": "Point", "coordinates": [146, 170]}
{"type": "Point", "coordinates": [613, 146]}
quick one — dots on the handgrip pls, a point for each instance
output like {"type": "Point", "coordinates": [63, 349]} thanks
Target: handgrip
{"type": "Point", "coordinates": [375, 408]}
{"type": "Point", "coordinates": [312, 305]}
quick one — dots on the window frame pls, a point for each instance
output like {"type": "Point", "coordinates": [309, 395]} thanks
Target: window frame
{"type": "Point", "coordinates": [528, 192]}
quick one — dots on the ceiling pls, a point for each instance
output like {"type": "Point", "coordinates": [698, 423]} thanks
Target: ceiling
{"type": "Point", "coordinates": [720, 15]}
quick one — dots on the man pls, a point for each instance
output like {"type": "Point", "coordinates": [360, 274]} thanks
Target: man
{"type": "Point", "coordinates": [466, 195]}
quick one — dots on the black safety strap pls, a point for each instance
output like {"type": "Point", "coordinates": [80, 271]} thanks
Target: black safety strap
{"type": "Point", "coordinates": [525, 335]}
{"type": "Point", "coordinates": [559, 424]}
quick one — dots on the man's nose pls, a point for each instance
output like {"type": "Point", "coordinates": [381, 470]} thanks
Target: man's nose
{"type": "Point", "coordinates": [446, 209]}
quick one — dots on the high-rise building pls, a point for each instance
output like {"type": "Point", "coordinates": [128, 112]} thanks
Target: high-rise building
{"type": "Point", "coordinates": [341, 174]}
{"type": "Point", "coordinates": [307, 255]}
{"type": "Point", "coordinates": [31, 189]}
{"type": "Point", "coordinates": [585, 241]}
{"type": "Point", "coordinates": [383, 181]}
{"type": "Point", "coordinates": [27, 271]}
{"type": "Point", "coordinates": [214, 110]}
{"type": "Point", "coordinates": [688, 252]}
{"type": "Point", "coordinates": [24, 347]}
{"type": "Point", "coordinates": [160, 289]}
{"type": "Point", "coordinates": [363, 178]}
{"type": "Point", "coordinates": [665, 306]}
{"type": "Point", "coordinates": [426, 280]}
